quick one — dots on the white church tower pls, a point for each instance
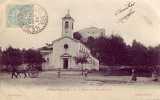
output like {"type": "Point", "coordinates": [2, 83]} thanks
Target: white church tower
{"type": "Point", "coordinates": [67, 25]}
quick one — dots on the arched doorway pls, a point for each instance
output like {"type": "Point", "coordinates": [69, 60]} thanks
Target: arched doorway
{"type": "Point", "coordinates": [65, 63]}
{"type": "Point", "coordinates": [66, 60]}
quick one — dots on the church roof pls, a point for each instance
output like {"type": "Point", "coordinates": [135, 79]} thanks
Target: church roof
{"type": "Point", "coordinates": [44, 53]}
{"type": "Point", "coordinates": [63, 38]}
{"type": "Point", "coordinates": [68, 16]}
{"type": "Point", "coordinates": [70, 39]}
{"type": "Point", "coordinates": [46, 48]}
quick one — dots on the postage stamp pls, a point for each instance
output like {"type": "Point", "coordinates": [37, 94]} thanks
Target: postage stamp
{"type": "Point", "coordinates": [13, 12]}
{"type": "Point", "coordinates": [31, 18]}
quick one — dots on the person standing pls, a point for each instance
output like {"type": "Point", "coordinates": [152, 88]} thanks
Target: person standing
{"type": "Point", "coordinates": [134, 77]}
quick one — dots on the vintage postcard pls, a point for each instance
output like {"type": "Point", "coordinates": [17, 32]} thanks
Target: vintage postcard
{"type": "Point", "coordinates": [79, 49]}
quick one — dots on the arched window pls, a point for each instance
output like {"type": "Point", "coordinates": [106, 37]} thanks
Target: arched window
{"type": "Point", "coordinates": [66, 24]}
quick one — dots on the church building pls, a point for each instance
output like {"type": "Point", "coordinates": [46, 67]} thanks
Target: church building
{"type": "Point", "coordinates": [63, 52]}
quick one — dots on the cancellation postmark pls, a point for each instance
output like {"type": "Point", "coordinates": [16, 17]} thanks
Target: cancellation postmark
{"type": "Point", "coordinates": [31, 18]}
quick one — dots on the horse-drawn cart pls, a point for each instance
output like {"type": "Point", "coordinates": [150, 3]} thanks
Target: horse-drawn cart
{"type": "Point", "coordinates": [33, 72]}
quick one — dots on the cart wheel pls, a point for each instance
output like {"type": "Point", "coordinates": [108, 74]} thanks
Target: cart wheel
{"type": "Point", "coordinates": [33, 73]}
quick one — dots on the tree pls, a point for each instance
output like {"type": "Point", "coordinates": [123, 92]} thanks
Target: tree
{"type": "Point", "coordinates": [139, 53]}
{"type": "Point", "coordinates": [0, 58]}
{"type": "Point", "coordinates": [12, 57]}
{"type": "Point", "coordinates": [77, 35]}
{"type": "Point", "coordinates": [99, 47]}
{"type": "Point", "coordinates": [117, 49]}
{"type": "Point", "coordinates": [109, 50]}
{"type": "Point", "coordinates": [83, 59]}
{"type": "Point", "coordinates": [154, 60]}
{"type": "Point", "coordinates": [90, 42]}
{"type": "Point", "coordinates": [33, 57]}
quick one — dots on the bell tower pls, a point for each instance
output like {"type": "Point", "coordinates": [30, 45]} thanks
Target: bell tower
{"type": "Point", "coordinates": [67, 25]}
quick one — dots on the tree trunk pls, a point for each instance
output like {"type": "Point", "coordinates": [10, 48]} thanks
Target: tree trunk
{"type": "Point", "coordinates": [82, 69]}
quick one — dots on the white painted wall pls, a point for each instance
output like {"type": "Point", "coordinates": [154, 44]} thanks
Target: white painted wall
{"type": "Point", "coordinates": [92, 31]}
{"type": "Point", "coordinates": [74, 48]}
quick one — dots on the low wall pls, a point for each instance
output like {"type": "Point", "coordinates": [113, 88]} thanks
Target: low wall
{"type": "Point", "coordinates": [108, 71]}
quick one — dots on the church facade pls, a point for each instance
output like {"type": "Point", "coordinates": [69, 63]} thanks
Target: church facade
{"type": "Point", "coordinates": [64, 51]}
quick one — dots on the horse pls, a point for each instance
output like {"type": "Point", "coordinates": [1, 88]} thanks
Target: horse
{"type": "Point", "coordinates": [21, 69]}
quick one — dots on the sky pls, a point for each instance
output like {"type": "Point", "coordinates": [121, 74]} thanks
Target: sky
{"type": "Point", "coordinates": [143, 25]}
